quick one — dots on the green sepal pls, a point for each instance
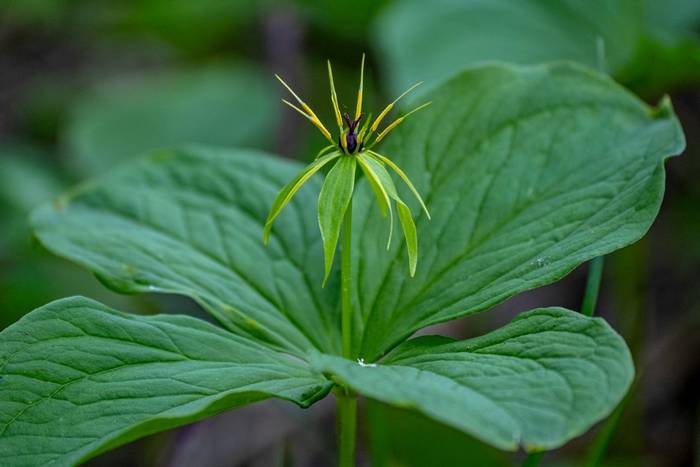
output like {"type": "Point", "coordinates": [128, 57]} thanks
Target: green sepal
{"type": "Point", "coordinates": [386, 184]}
{"type": "Point", "coordinates": [288, 192]}
{"type": "Point", "coordinates": [333, 201]}
{"type": "Point", "coordinates": [410, 235]}
{"type": "Point", "coordinates": [380, 189]}
{"type": "Point", "coordinates": [404, 177]}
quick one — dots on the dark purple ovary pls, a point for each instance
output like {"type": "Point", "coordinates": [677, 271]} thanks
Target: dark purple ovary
{"type": "Point", "coordinates": [351, 137]}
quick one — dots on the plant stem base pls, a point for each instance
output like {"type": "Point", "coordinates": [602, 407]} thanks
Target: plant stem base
{"type": "Point", "coordinates": [347, 423]}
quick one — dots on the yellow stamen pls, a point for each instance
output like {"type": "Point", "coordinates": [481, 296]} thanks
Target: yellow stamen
{"type": "Point", "coordinates": [307, 112]}
{"type": "Point", "coordinates": [297, 109]}
{"type": "Point", "coordinates": [334, 98]}
{"type": "Point", "coordinates": [360, 91]}
{"type": "Point", "coordinates": [396, 123]}
{"type": "Point", "coordinates": [344, 141]}
{"type": "Point", "coordinates": [363, 131]}
{"type": "Point", "coordinates": [313, 120]}
{"type": "Point", "coordinates": [388, 108]}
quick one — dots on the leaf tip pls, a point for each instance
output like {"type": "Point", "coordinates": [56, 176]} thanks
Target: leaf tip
{"type": "Point", "coordinates": [266, 234]}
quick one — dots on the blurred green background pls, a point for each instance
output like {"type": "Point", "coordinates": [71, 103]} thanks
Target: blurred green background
{"type": "Point", "coordinates": [86, 85]}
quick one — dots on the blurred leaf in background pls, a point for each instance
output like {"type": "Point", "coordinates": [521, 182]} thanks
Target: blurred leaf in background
{"type": "Point", "coordinates": [628, 38]}
{"type": "Point", "coordinates": [25, 182]}
{"type": "Point", "coordinates": [401, 437]}
{"type": "Point", "coordinates": [194, 27]}
{"type": "Point", "coordinates": [346, 20]}
{"type": "Point", "coordinates": [218, 105]}
{"type": "Point", "coordinates": [29, 276]}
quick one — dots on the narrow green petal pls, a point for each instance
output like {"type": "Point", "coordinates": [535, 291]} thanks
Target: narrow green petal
{"type": "Point", "coordinates": [410, 234]}
{"type": "Point", "coordinates": [286, 194]}
{"type": "Point", "coordinates": [388, 108]}
{"type": "Point", "coordinates": [305, 110]}
{"type": "Point", "coordinates": [382, 175]}
{"type": "Point", "coordinates": [360, 91]}
{"type": "Point", "coordinates": [397, 122]}
{"type": "Point", "coordinates": [365, 126]}
{"type": "Point", "coordinates": [403, 176]}
{"type": "Point", "coordinates": [323, 151]}
{"type": "Point", "coordinates": [333, 201]}
{"type": "Point", "coordinates": [408, 226]}
{"type": "Point", "coordinates": [334, 97]}
{"type": "Point", "coordinates": [383, 196]}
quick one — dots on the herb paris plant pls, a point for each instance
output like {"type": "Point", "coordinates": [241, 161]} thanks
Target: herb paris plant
{"type": "Point", "coordinates": [352, 148]}
{"type": "Point", "coordinates": [527, 173]}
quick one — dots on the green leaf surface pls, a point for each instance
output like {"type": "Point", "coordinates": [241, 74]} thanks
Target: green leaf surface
{"type": "Point", "coordinates": [190, 222]}
{"type": "Point", "coordinates": [131, 115]}
{"type": "Point", "coordinates": [78, 378]}
{"type": "Point", "coordinates": [333, 201]}
{"type": "Point", "coordinates": [607, 34]}
{"type": "Point", "coordinates": [537, 382]}
{"type": "Point", "coordinates": [527, 173]}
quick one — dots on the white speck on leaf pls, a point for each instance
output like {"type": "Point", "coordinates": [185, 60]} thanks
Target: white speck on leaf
{"type": "Point", "coordinates": [362, 363]}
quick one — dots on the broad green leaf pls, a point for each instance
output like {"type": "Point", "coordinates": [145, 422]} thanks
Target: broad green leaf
{"type": "Point", "coordinates": [537, 382]}
{"type": "Point", "coordinates": [333, 201]}
{"type": "Point", "coordinates": [431, 44]}
{"type": "Point", "coordinates": [190, 222]}
{"type": "Point", "coordinates": [78, 378]}
{"type": "Point", "coordinates": [131, 115]}
{"type": "Point", "coordinates": [527, 173]}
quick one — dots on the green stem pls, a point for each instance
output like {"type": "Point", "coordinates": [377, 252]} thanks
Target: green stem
{"type": "Point", "coordinates": [347, 421]}
{"type": "Point", "coordinates": [346, 282]}
{"type": "Point", "coordinates": [590, 296]}
{"type": "Point", "coordinates": [346, 401]}
{"type": "Point", "coordinates": [533, 459]}
{"type": "Point", "coordinates": [597, 451]}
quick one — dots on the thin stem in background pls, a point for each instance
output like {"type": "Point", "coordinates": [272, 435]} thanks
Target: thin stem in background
{"type": "Point", "coordinates": [284, 44]}
{"type": "Point", "coordinates": [533, 459]}
{"type": "Point", "coordinates": [629, 268]}
{"type": "Point", "coordinates": [597, 451]}
{"type": "Point", "coordinates": [346, 402]}
{"type": "Point", "coordinates": [590, 296]}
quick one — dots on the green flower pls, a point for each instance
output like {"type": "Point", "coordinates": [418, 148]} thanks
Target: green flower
{"type": "Point", "coordinates": [354, 146]}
